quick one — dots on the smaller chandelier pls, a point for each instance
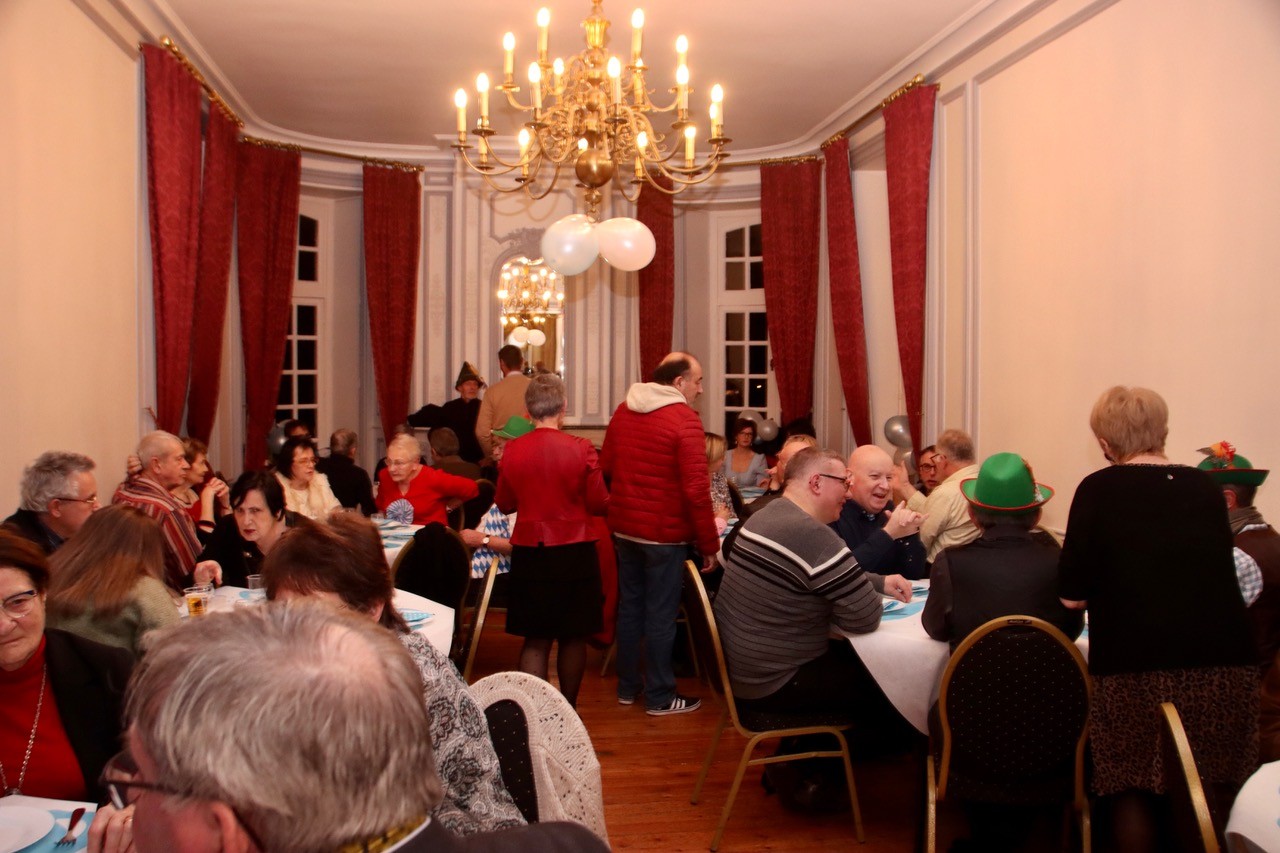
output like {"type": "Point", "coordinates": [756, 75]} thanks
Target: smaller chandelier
{"type": "Point", "coordinates": [592, 112]}
{"type": "Point", "coordinates": [530, 292]}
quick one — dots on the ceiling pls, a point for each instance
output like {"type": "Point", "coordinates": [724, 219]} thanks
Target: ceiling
{"type": "Point", "coordinates": [366, 75]}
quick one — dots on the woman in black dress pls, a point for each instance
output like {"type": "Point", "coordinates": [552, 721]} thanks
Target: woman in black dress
{"type": "Point", "coordinates": [1149, 552]}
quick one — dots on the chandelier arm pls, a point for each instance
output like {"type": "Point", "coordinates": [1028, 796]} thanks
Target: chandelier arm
{"type": "Point", "coordinates": [676, 176]}
{"type": "Point", "coordinates": [511, 99]}
{"type": "Point", "coordinates": [528, 187]}
{"type": "Point", "coordinates": [487, 169]}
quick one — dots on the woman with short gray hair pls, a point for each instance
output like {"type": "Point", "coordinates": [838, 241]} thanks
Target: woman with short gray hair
{"type": "Point", "coordinates": [553, 479]}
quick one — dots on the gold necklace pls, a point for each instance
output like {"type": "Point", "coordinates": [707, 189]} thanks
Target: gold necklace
{"type": "Point", "coordinates": [387, 839]}
{"type": "Point", "coordinates": [31, 741]}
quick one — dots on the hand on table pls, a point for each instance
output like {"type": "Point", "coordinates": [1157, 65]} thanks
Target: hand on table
{"type": "Point", "coordinates": [896, 586]}
{"type": "Point", "coordinates": [111, 830]}
{"type": "Point", "coordinates": [903, 522]}
{"type": "Point", "coordinates": [208, 571]}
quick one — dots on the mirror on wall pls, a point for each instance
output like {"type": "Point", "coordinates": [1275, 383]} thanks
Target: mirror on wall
{"type": "Point", "coordinates": [531, 296]}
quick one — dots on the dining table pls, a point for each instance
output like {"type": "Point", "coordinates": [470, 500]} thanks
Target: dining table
{"type": "Point", "coordinates": [1254, 824]}
{"type": "Point", "coordinates": [37, 824]}
{"type": "Point", "coordinates": [906, 662]}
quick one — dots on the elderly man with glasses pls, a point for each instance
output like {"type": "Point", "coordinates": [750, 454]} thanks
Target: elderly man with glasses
{"type": "Point", "coordinates": [789, 578]}
{"type": "Point", "coordinates": [327, 745]}
{"type": "Point", "coordinates": [59, 493]}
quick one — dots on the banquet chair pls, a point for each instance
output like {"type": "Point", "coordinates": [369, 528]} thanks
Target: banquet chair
{"type": "Point", "coordinates": [1192, 819]}
{"type": "Point", "coordinates": [545, 754]}
{"type": "Point", "coordinates": [437, 565]}
{"type": "Point", "coordinates": [756, 726]}
{"type": "Point", "coordinates": [467, 515]}
{"type": "Point", "coordinates": [477, 618]}
{"type": "Point", "coordinates": [1011, 721]}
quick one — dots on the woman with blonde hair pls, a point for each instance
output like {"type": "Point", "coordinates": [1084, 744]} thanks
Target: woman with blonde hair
{"type": "Point", "coordinates": [721, 503]}
{"type": "Point", "coordinates": [108, 580]}
{"type": "Point", "coordinates": [1149, 553]}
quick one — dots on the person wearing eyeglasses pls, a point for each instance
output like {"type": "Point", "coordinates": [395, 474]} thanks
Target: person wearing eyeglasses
{"type": "Point", "coordinates": [948, 522]}
{"type": "Point", "coordinates": [928, 470]}
{"type": "Point", "coordinates": [327, 745]}
{"type": "Point", "coordinates": [411, 493]}
{"type": "Point", "coordinates": [59, 493]}
{"type": "Point", "coordinates": [306, 491]}
{"type": "Point", "coordinates": [61, 695]}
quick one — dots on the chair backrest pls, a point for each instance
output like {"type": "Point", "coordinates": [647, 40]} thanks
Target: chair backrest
{"type": "Point", "coordinates": [435, 565]}
{"type": "Point", "coordinates": [1013, 709]}
{"type": "Point", "coordinates": [1192, 820]}
{"type": "Point", "coordinates": [466, 515]}
{"type": "Point", "coordinates": [477, 619]}
{"type": "Point", "coordinates": [740, 510]}
{"type": "Point", "coordinates": [706, 638]}
{"type": "Point", "coordinates": [563, 762]}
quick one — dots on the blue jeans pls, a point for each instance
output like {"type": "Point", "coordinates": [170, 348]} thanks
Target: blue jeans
{"type": "Point", "coordinates": [650, 578]}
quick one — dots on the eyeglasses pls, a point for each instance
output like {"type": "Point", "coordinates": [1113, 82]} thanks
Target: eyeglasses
{"type": "Point", "coordinates": [117, 778]}
{"type": "Point", "coordinates": [19, 605]}
{"type": "Point", "coordinates": [928, 467]}
{"type": "Point", "coordinates": [844, 479]}
{"type": "Point", "coordinates": [400, 463]}
{"type": "Point", "coordinates": [92, 500]}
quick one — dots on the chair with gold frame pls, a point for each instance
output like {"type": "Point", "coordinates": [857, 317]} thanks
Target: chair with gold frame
{"type": "Point", "coordinates": [756, 727]}
{"type": "Point", "coordinates": [477, 618]}
{"type": "Point", "coordinates": [1191, 814]}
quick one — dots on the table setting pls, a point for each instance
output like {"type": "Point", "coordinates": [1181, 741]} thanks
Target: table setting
{"type": "Point", "coordinates": [394, 536]}
{"type": "Point", "coordinates": [1254, 824]}
{"type": "Point", "coordinates": [42, 825]}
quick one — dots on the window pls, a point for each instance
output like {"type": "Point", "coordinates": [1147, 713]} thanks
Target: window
{"type": "Point", "coordinates": [299, 382]}
{"type": "Point", "coordinates": [308, 249]}
{"type": "Point", "coordinates": [745, 327]}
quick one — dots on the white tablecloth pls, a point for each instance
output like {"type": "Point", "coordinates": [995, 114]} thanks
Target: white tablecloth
{"type": "Point", "coordinates": [1255, 818]}
{"type": "Point", "coordinates": [395, 537]}
{"type": "Point", "coordinates": [906, 662]}
{"type": "Point", "coordinates": [438, 629]}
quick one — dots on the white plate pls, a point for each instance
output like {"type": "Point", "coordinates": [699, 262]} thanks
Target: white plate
{"type": "Point", "coordinates": [892, 604]}
{"type": "Point", "coordinates": [22, 826]}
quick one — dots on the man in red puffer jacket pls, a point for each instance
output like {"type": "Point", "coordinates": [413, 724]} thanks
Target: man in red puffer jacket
{"type": "Point", "coordinates": [659, 504]}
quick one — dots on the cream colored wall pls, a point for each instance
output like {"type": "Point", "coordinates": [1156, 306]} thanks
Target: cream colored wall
{"type": "Point", "coordinates": [69, 241]}
{"type": "Point", "coordinates": [1109, 192]}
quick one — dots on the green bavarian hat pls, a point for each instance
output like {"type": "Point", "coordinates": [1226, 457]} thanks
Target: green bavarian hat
{"type": "Point", "coordinates": [514, 428]}
{"type": "Point", "coordinates": [1227, 467]}
{"type": "Point", "coordinates": [1005, 484]}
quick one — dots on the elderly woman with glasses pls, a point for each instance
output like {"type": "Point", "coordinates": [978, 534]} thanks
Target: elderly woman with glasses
{"type": "Point", "coordinates": [60, 695]}
{"type": "Point", "coordinates": [411, 493]}
{"type": "Point", "coordinates": [306, 491]}
{"type": "Point", "coordinates": [554, 480]}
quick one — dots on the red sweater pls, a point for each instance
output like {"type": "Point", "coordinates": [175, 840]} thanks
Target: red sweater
{"type": "Point", "coordinates": [553, 480]}
{"type": "Point", "coordinates": [655, 457]}
{"type": "Point", "coordinates": [53, 770]}
{"type": "Point", "coordinates": [428, 492]}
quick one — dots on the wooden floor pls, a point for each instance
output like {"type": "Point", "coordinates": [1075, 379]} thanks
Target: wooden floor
{"type": "Point", "coordinates": [649, 766]}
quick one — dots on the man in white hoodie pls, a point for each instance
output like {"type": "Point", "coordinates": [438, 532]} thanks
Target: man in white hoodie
{"type": "Point", "coordinates": [659, 505]}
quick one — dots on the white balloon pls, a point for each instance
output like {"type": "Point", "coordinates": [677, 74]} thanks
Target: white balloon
{"type": "Point", "coordinates": [625, 243]}
{"type": "Point", "coordinates": [537, 337]}
{"type": "Point", "coordinates": [768, 430]}
{"type": "Point", "coordinates": [569, 245]}
{"type": "Point", "coordinates": [519, 334]}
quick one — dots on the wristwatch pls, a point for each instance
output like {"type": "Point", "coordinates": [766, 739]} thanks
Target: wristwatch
{"type": "Point", "coordinates": [484, 543]}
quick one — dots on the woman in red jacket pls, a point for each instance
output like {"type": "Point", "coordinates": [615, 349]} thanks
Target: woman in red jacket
{"type": "Point", "coordinates": [553, 481]}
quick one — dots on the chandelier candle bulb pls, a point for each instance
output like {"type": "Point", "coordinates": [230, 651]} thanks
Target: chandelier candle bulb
{"type": "Point", "coordinates": [637, 24]}
{"type": "Point", "coordinates": [535, 80]}
{"type": "Point", "coordinates": [682, 89]}
{"type": "Point", "coordinates": [717, 110]}
{"type": "Point", "coordinates": [682, 51]}
{"type": "Point", "coordinates": [509, 59]}
{"type": "Point", "coordinates": [689, 133]}
{"type": "Point", "coordinates": [615, 75]}
{"type": "Point", "coordinates": [482, 88]}
{"type": "Point", "coordinates": [557, 69]}
{"type": "Point", "coordinates": [544, 22]}
{"type": "Point", "coordinates": [460, 101]}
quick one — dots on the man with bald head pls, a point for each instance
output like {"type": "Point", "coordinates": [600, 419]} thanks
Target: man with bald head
{"type": "Point", "coordinates": [165, 465]}
{"type": "Point", "coordinates": [883, 542]}
{"type": "Point", "coordinates": [778, 473]}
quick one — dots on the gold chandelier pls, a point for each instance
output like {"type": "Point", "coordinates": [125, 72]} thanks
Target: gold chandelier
{"type": "Point", "coordinates": [594, 113]}
{"type": "Point", "coordinates": [530, 293]}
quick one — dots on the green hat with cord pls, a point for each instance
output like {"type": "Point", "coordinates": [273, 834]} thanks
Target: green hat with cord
{"type": "Point", "coordinates": [1229, 468]}
{"type": "Point", "coordinates": [515, 427]}
{"type": "Point", "coordinates": [1005, 484]}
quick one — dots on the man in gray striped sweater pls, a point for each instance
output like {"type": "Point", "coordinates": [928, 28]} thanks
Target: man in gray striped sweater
{"type": "Point", "coordinates": [789, 579]}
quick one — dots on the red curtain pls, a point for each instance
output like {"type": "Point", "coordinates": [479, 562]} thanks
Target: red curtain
{"type": "Point", "coordinates": [217, 215]}
{"type": "Point", "coordinates": [267, 194]}
{"type": "Point", "coordinates": [908, 144]}
{"type": "Point", "coordinates": [392, 237]}
{"type": "Point", "coordinates": [658, 280]}
{"type": "Point", "coordinates": [173, 102]}
{"type": "Point", "coordinates": [846, 290]}
{"type": "Point", "coordinates": [790, 226]}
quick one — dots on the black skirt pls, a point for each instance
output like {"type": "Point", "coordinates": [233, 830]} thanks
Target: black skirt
{"type": "Point", "coordinates": [555, 591]}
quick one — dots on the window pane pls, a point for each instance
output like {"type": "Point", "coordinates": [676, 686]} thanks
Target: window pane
{"type": "Point", "coordinates": [734, 359]}
{"type": "Point", "coordinates": [759, 396]}
{"type": "Point", "coordinates": [733, 389]}
{"type": "Point", "coordinates": [288, 355]}
{"type": "Point", "coordinates": [307, 229]}
{"type": "Point", "coordinates": [307, 389]}
{"type": "Point", "coordinates": [759, 360]}
{"type": "Point", "coordinates": [283, 414]}
{"type": "Point", "coordinates": [284, 396]}
{"type": "Point", "coordinates": [308, 417]}
{"type": "Point", "coordinates": [756, 251]}
{"type": "Point", "coordinates": [307, 319]}
{"type": "Point", "coordinates": [733, 247]}
{"type": "Point", "coordinates": [306, 266]}
{"type": "Point", "coordinates": [757, 275]}
{"type": "Point", "coordinates": [759, 326]}
{"type": "Point", "coordinates": [306, 355]}
{"type": "Point", "coordinates": [734, 327]}
{"type": "Point", "coordinates": [733, 276]}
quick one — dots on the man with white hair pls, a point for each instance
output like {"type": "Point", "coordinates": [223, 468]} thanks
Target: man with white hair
{"type": "Point", "coordinates": [883, 542]}
{"type": "Point", "coordinates": [778, 473]}
{"type": "Point", "coordinates": [948, 522]}
{"type": "Point", "coordinates": [59, 493]}
{"type": "Point", "coordinates": [165, 465]}
{"type": "Point", "coordinates": [327, 746]}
